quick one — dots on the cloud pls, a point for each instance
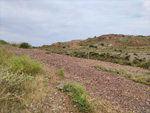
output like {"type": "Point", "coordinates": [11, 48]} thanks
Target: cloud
{"type": "Point", "coordinates": [47, 21]}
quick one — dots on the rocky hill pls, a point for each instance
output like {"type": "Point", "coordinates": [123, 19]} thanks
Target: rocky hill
{"type": "Point", "coordinates": [107, 40]}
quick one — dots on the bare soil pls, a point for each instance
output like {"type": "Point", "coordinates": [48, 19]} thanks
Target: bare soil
{"type": "Point", "coordinates": [121, 92]}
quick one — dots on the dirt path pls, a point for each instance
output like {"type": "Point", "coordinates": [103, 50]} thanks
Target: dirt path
{"type": "Point", "coordinates": [128, 95]}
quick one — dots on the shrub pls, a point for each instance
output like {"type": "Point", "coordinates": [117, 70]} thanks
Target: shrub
{"type": "Point", "coordinates": [135, 61]}
{"type": "Point", "coordinates": [60, 72]}
{"type": "Point", "coordinates": [18, 82]}
{"type": "Point", "coordinates": [127, 57]}
{"type": "Point", "coordinates": [102, 44]}
{"type": "Point", "coordinates": [12, 90]}
{"type": "Point", "coordinates": [78, 95]}
{"type": "Point", "coordinates": [4, 55]}
{"type": "Point", "coordinates": [26, 65]}
{"type": "Point", "coordinates": [145, 65]}
{"type": "Point", "coordinates": [25, 45]}
{"type": "Point", "coordinates": [93, 46]}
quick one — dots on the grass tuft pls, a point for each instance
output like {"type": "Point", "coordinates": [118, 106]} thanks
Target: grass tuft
{"type": "Point", "coordinates": [78, 95]}
{"type": "Point", "coordinates": [60, 72]}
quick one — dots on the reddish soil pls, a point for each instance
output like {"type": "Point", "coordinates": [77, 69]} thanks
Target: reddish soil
{"type": "Point", "coordinates": [121, 92]}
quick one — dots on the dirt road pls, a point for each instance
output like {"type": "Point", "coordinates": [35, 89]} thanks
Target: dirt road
{"type": "Point", "coordinates": [126, 94]}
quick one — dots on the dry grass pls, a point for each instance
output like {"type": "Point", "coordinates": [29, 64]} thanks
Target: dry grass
{"type": "Point", "coordinates": [143, 78]}
{"type": "Point", "coordinates": [21, 87]}
{"type": "Point", "coordinates": [103, 106]}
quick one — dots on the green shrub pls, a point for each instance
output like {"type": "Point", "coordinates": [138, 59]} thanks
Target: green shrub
{"type": "Point", "coordinates": [25, 45]}
{"type": "Point", "coordinates": [102, 44]}
{"type": "Point", "coordinates": [145, 65]}
{"type": "Point", "coordinates": [93, 46]}
{"type": "Point", "coordinates": [4, 55]}
{"type": "Point", "coordinates": [24, 65]}
{"type": "Point", "coordinates": [17, 77]}
{"type": "Point", "coordinates": [60, 72]}
{"type": "Point", "coordinates": [135, 61]}
{"type": "Point", "coordinates": [12, 87]}
{"type": "Point", "coordinates": [78, 95]}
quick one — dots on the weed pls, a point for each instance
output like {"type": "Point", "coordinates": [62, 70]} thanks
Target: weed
{"type": "Point", "coordinates": [78, 95]}
{"type": "Point", "coordinates": [60, 72]}
{"type": "Point", "coordinates": [95, 87]}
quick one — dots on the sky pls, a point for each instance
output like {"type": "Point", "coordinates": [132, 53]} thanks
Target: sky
{"type": "Point", "coordinates": [43, 22]}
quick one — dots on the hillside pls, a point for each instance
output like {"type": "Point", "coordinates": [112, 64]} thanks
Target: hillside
{"type": "Point", "coordinates": [121, 91]}
{"type": "Point", "coordinates": [118, 40]}
{"type": "Point", "coordinates": [121, 49]}
{"type": "Point", "coordinates": [107, 40]}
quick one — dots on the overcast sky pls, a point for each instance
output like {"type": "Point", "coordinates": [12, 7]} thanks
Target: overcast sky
{"type": "Point", "coordinates": [40, 22]}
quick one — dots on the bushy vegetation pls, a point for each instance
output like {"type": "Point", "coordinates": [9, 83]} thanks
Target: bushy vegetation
{"type": "Point", "coordinates": [78, 95]}
{"type": "Point", "coordinates": [93, 46]}
{"type": "Point", "coordinates": [26, 65]}
{"type": "Point", "coordinates": [16, 77]}
{"type": "Point", "coordinates": [25, 45]}
{"type": "Point", "coordinates": [12, 90]}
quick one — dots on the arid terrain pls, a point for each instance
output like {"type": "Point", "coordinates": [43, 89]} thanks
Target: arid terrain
{"type": "Point", "coordinates": [123, 93]}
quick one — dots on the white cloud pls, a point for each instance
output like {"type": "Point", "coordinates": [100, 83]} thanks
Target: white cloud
{"type": "Point", "coordinates": [63, 20]}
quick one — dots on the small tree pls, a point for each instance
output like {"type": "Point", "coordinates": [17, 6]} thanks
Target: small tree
{"type": "Point", "coordinates": [102, 44]}
{"type": "Point", "coordinates": [25, 45]}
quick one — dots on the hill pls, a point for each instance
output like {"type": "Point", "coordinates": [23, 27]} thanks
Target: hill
{"type": "Point", "coordinates": [120, 49]}
{"type": "Point", "coordinates": [107, 40]}
{"type": "Point", "coordinates": [118, 40]}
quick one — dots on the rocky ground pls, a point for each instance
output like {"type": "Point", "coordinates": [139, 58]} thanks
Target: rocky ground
{"type": "Point", "coordinates": [121, 92]}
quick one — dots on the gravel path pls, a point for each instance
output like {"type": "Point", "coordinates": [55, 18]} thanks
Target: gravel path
{"type": "Point", "coordinates": [126, 94]}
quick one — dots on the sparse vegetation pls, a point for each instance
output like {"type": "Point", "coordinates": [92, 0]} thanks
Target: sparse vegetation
{"type": "Point", "coordinates": [143, 78]}
{"type": "Point", "coordinates": [60, 72]}
{"type": "Point", "coordinates": [111, 69]}
{"type": "Point", "coordinates": [145, 65]}
{"type": "Point", "coordinates": [25, 84]}
{"type": "Point", "coordinates": [78, 95]}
